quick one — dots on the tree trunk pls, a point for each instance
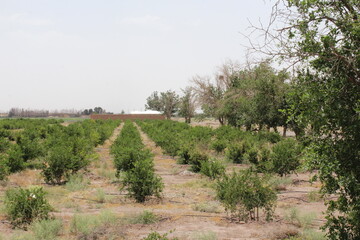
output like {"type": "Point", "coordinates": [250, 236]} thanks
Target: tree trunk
{"type": "Point", "coordinates": [284, 131]}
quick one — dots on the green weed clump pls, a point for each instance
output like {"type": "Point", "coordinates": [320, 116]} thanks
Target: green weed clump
{"type": "Point", "coordinates": [77, 182]}
{"type": "Point", "coordinates": [145, 217]}
{"type": "Point", "coordinates": [47, 229]}
{"type": "Point", "coordinates": [84, 225]}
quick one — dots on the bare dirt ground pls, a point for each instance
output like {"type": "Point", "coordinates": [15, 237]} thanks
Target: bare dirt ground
{"type": "Point", "coordinates": [178, 210]}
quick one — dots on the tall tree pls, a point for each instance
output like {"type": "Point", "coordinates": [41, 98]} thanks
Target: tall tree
{"type": "Point", "coordinates": [324, 37]}
{"type": "Point", "coordinates": [153, 102]}
{"type": "Point", "coordinates": [165, 102]}
{"type": "Point", "coordinates": [187, 104]}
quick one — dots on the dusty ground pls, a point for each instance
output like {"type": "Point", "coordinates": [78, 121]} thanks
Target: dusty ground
{"type": "Point", "coordinates": [176, 210]}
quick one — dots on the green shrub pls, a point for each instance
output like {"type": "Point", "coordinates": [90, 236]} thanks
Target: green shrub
{"type": "Point", "coordinates": [252, 156]}
{"type": "Point", "coordinates": [272, 137]}
{"type": "Point", "coordinates": [285, 157]}
{"type": "Point", "coordinates": [197, 158]}
{"type": "Point", "coordinates": [4, 168]}
{"type": "Point", "coordinates": [47, 229]}
{"type": "Point", "coordinates": [244, 193]}
{"type": "Point", "coordinates": [65, 158]}
{"type": "Point", "coordinates": [4, 144]}
{"type": "Point", "coordinates": [16, 161]}
{"type": "Point", "coordinates": [23, 206]}
{"type": "Point", "coordinates": [219, 145]}
{"type": "Point", "coordinates": [141, 181]}
{"type": "Point", "coordinates": [212, 168]}
{"type": "Point", "coordinates": [235, 152]}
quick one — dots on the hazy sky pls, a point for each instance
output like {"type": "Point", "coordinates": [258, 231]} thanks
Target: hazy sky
{"type": "Point", "coordinates": [86, 53]}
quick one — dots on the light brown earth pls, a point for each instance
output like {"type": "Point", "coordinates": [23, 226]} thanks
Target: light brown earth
{"type": "Point", "coordinates": [176, 210]}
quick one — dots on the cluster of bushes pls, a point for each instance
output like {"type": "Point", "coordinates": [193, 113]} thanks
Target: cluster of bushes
{"type": "Point", "coordinates": [136, 162]}
{"type": "Point", "coordinates": [45, 144]}
{"type": "Point", "coordinates": [69, 148]}
{"type": "Point", "coordinates": [193, 145]}
{"type": "Point", "coordinates": [190, 144]}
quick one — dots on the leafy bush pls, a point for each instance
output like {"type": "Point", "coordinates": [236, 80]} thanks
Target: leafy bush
{"type": "Point", "coordinates": [235, 152]}
{"type": "Point", "coordinates": [285, 157]}
{"type": "Point", "coordinates": [23, 206]}
{"type": "Point", "coordinates": [15, 161]}
{"type": "Point", "coordinates": [212, 168]}
{"type": "Point", "coordinates": [272, 137]}
{"type": "Point", "coordinates": [66, 158]}
{"type": "Point", "coordinates": [4, 168]}
{"type": "Point", "coordinates": [4, 144]}
{"type": "Point", "coordinates": [141, 181]}
{"type": "Point", "coordinates": [219, 145]}
{"type": "Point", "coordinates": [244, 193]}
{"type": "Point", "coordinates": [197, 158]}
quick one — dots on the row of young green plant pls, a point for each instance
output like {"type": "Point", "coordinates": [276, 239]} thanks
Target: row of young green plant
{"type": "Point", "coordinates": [44, 144]}
{"type": "Point", "coordinates": [134, 164]}
{"type": "Point", "coordinates": [268, 151]}
{"type": "Point", "coordinates": [244, 194]}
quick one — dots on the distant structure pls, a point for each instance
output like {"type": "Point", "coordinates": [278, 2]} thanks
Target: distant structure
{"type": "Point", "coordinates": [134, 115]}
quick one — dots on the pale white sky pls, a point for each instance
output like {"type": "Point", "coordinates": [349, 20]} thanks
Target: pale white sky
{"type": "Point", "coordinates": [114, 54]}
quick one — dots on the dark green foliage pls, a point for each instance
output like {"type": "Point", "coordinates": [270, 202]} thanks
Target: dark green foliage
{"type": "Point", "coordinates": [141, 181]}
{"type": "Point", "coordinates": [197, 158]}
{"type": "Point", "coordinates": [4, 168]}
{"type": "Point", "coordinates": [285, 157]}
{"type": "Point", "coordinates": [131, 157]}
{"type": "Point", "coordinates": [4, 144]}
{"type": "Point", "coordinates": [271, 137]}
{"type": "Point", "coordinates": [15, 159]}
{"type": "Point", "coordinates": [219, 145]}
{"type": "Point", "coordinates": [253, 156]}
{"type": "Point", "coordinates": [65, 158]}
{"type": "Point", "coordinates": [235, 152]}
{"type": "Point", "coordinates": [324, 37]}
{"type": "Point", "coordinates": [24, 206]}
{"type": "Point", "coordinates": [244, 193]}
{"type": "Point", "coordinates": [212, 168]}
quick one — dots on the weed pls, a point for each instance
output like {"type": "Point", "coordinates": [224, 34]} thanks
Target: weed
{"type": "Point", "coordinates": [85, 224]}
{"type": "Point", "coordinates": [47, 229]}
{"type": "Point", "coordinates": [100, 196]}
{"type": "Point", "coordinates": [314, 196]}
{"type": "Point", "coordinates": [209, 207]}
{"type": "Point", "coordinates": [77, 182]}
{"type": "Point", "coordinates": [204, 236]}
{"type": "Point", "coordinates": [146, 217]}
{"type": "Point", "coordinates": [279, 183]}
{"type": "Point", "coordinates": [302, 220]}
{"type": "Point", "coordinates": [158, 236]}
